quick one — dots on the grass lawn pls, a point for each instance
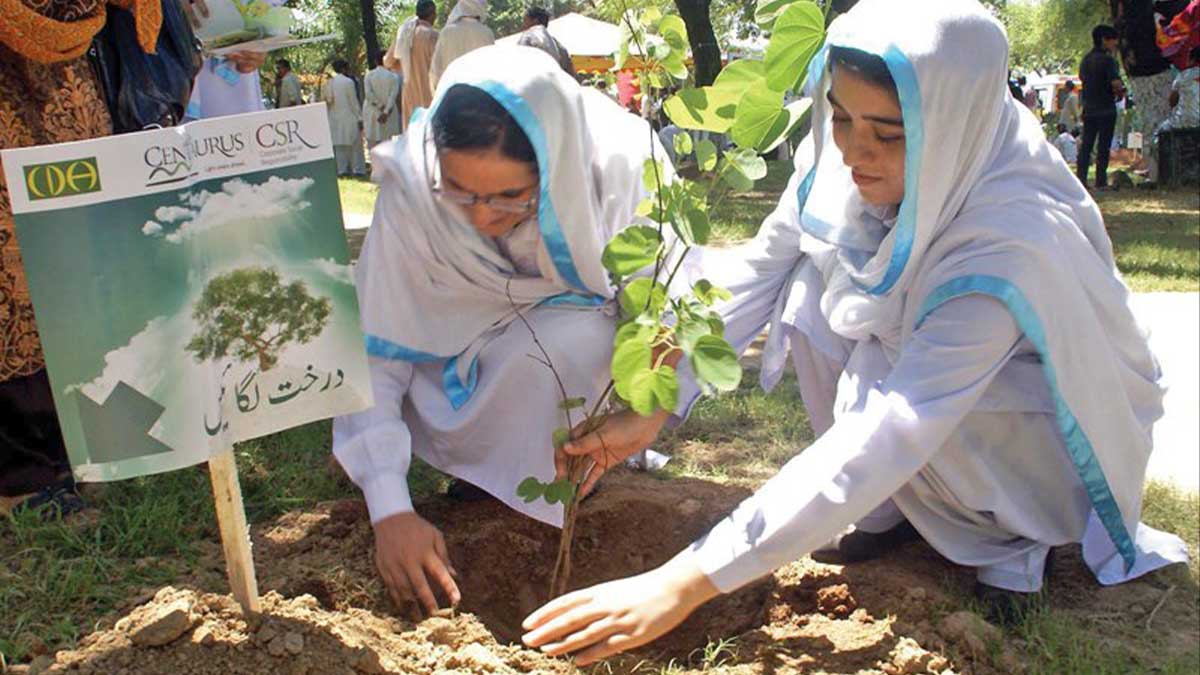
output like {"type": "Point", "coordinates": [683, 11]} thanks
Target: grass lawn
{"type": "Point", "coordinates": [358, 195]}
{"type": "Point", "coordinates": [58, 579]}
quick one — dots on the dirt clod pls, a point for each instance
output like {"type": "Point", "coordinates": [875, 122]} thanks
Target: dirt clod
{"type": "Point", "coordinates": [836, 602]}
{"type": "Point", "coordinates": [970, 629]}
{"type": "Point", "coordinates": [163, 621]}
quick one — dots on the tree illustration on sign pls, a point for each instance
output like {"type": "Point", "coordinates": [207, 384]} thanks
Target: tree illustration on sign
{"type": "Point", "coordinates": [250, 313]}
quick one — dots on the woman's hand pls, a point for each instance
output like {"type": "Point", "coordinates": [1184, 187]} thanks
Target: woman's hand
{"type": "Point", "coordinates": [619, 437]}
{"type": "Point", "coordinates": [408, 552]}
{"type": "Point", "coordinates": [603, 620]}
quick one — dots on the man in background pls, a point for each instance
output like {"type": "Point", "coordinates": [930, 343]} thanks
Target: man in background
{"type": "Point", "coordinates": [345, 120]}
{"type": "Point", "coordinates": [410, 56]}
{"type": "Point", "coordinates": [381, 120]}
{"type": "Point", "coordinates": [1102, 86]}
{"type": "Point", "coordinates": [534, 33]}
{"type": "Point", "coordinates": [287, 86]}
{"type": "Point", "coordinates": [1068, 112]}
{"type": "Point", "coordinates": [464, 31]}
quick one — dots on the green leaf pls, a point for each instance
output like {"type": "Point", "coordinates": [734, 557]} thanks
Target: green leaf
{"type": "Point", "coordinates": [657, 48]}
{"type": "Point", "coordinates": [692, 226]}
{"type": "Point", "coordinates": [798, 34]}
{"type": "Point", "coordinates": [733, 177]}
{"type": "Point", "coordinates": [531, 489]}
{"type": "Point", "coordinates": [561, 437]}
{"type": "Point", "coordinates": [674, 31]}
{"type": "Point", "coordinates": [740, 75]}
{"type": "Point", "coordinates": [714, 362]}
{"type": "Point", "coordinates": [636, 297]}
{"type": "Point", "coordinates": [706, 109]}
{"type": "Point", "coordinates": [793, 116]}
{"type": "Point", "coordinates": [683, 144]}
{"type": "Point", "coordinates": [716, 324]}
{"type": "Point", "coordinates": [646, 207]}
{"type": "Point", "coordinates": [652, 389]}
{"type": "Point", "coordinates": [706, 155]}
{"type": "Point", "coordinates": [631, 357]}
{"type": "Point", "coordinates": [633, 249]}
{"type": "Point", "coordinates": [652, 175]}
{"type": "Point", "coordinates": [560, 492]}
{"type": "Point", "coordinates": [572, 403]}
{"type": "Point", "coordinates": [747, 162]}
{"type": "Point", "coordinates": [675, 65]}
{"type": "Point", "coordinates": [688, 332]}
{"type": "Point", "coordinates": [650, 16]}
{"type": "Point", "coordinates": [768, 10]}
{"type": "Point", "coordinates": [707, 293]}
{"type": "Point", "coordinates": [632, 329]}
{"type": "Point", "coordinates": [759, 111]}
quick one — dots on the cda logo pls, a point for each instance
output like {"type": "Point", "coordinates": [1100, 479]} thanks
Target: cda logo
{"type": "Point", "coordinates": [62, 179]}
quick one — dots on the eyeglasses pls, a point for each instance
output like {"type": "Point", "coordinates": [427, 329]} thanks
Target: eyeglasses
{"type": "Point", "coordinates": [468, 199]}
{"type": "Point", "coordinates": [503, 204]}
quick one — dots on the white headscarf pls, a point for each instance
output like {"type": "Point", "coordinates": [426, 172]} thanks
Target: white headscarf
{"type": "Point", "coordinates": [430, 286]}
{"type": "Point", "coordinates": [989, 208]}
{"type": "Point", "coordinates": [475, 8]}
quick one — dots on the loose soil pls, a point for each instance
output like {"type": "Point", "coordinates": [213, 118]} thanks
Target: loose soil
{"type": "Point", "coordinates": [325, 611]}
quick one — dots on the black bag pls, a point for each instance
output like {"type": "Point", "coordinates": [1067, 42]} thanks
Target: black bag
{"type": "Point", "coordinates": [145, 90]}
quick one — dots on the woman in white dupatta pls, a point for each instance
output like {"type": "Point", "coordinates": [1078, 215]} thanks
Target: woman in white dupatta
{"type": "Point", "coordinates": [962, 338]}
{"type": "Point", "coordinates": [499, 198]}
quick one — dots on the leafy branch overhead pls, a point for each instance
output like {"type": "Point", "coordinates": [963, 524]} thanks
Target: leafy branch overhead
{"type": "Point", "coordinates": [747, 99]}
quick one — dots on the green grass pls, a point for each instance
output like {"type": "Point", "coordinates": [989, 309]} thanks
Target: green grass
{"type": "Point", "coordinates": [358, 195]}
{"type": "Point", "coordinates": [738, 216]}
{"type": "Point", "coordinates": [1156, 237]}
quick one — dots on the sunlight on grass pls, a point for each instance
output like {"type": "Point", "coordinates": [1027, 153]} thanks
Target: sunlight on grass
{"type": "Point", "coordinates": [358, 195]}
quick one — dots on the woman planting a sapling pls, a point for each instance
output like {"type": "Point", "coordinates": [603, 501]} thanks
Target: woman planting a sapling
{"type": "Point", "coordinates": [498, 200]}
{"type": "Point", "coordinates": [961, 336]}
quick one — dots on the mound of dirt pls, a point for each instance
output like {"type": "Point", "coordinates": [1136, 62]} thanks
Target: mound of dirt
{"type": "Point", "coordinates": [325, 611]}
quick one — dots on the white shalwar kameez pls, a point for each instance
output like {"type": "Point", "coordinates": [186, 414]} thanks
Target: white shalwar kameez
{"type": "Point", "coordinates": [345, 124]}
{"type": "Point", "coordinates": [968, 359]}
{"type": "Point", "coordinates": [448, 356]}
{"type": "Point", "coordinates": [220, 90]}
{"type": "Point", "coordinates": [465, 31]}
{"type": "Point", "coordinates": [381, 88]}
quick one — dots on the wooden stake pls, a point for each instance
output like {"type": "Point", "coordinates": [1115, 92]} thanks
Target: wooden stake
{"type": "Point", "coordinates": [235, 533]}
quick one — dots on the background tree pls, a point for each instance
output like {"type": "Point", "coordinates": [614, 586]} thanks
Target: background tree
{"type": "Point", "coordinates": [250, 314]}
{"type": "Point", "coordinates": [1053, 35]}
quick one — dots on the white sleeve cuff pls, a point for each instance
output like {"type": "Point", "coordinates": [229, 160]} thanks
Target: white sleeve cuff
{"type": "Point", "coordinates": [386, 495]}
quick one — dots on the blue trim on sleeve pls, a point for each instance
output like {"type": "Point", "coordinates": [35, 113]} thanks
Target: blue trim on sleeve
{"type": "Point", "coordinates": [1080, 449]}
{"type": "Point", "coordinates": [386, 349]}
{"type": "Point", "coordinates": [573, 299]}
{"type": "Point", "coordinates": [458, 391]}
{"type": "Point", "coordinates": [552, 233]}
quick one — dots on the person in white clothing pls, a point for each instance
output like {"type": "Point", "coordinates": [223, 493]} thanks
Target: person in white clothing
{"type": "Point", "coordinates": [962, 339]}
{"type": "Point", "coordinates": [345, 119]}
{"type": "Point", "coordinates": [1066, 144]}
{"type": "Point", "coordinates": [381, 119]}
{"type": "Point", "coordinates": [465, 30]}
{"type": "Point", "coordinates": [224, 85]}
{"type": "Point", "coordinates": [485, 210]}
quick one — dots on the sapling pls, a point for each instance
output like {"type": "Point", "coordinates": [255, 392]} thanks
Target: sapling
{"type": "Point", "coordinates": [663, 321]}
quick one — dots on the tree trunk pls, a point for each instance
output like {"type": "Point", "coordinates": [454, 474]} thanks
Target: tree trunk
{"type": "Point", "coordinates": [706, 53]}
{"type": "Point", "coordinates": [370, 32]}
